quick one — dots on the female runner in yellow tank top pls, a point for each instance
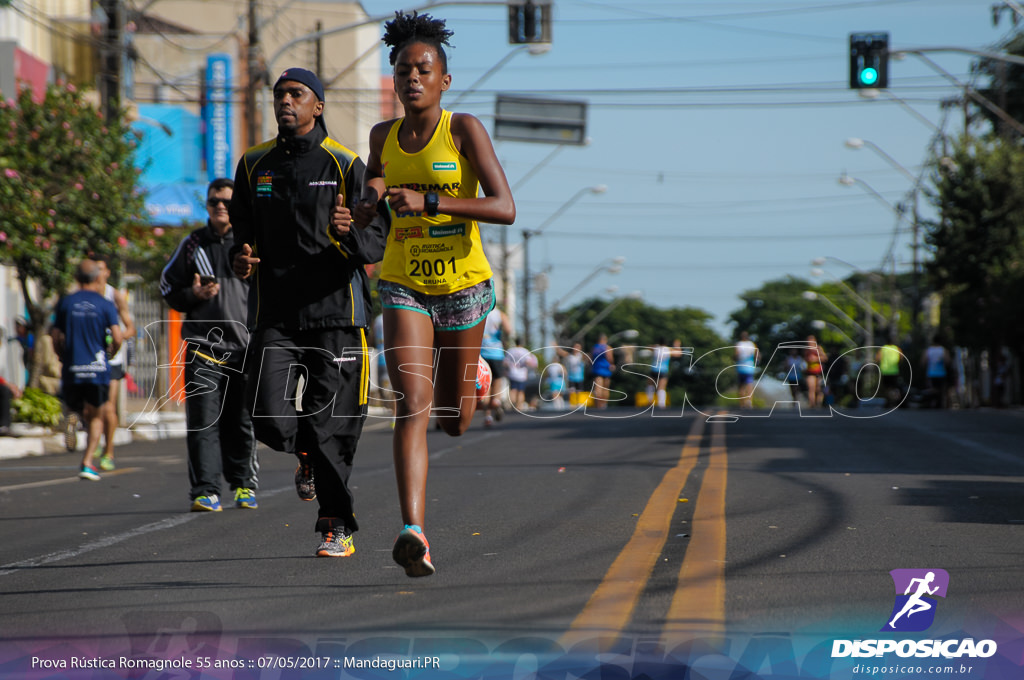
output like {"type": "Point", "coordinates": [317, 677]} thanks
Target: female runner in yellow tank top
{"type": "Point", "coordinates": [435, 283]}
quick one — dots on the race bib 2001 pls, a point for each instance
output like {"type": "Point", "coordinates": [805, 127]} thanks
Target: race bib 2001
{"type": "Point", "coordinates": [436, 259]}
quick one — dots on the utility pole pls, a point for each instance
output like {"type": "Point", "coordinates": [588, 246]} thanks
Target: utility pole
{"type": "Point", "coordinates": [1016, 11]}
{"type": "Point", "coordinates": [111, 54]}
{"type": "Point", "coordinates": [527, 235]}
{"type": "Point", "coordinates": [319, 49]}
{"type": "Point", "coordinates": [254, 76]}
{"type": "Point", "coordinates": [915, 303]}
{"type": "Point", "coordinates": [541, 285]}
{"type": "Point", "coordinates": [1001, 79]}
{"type": "Point", "coordinates": [869, 317]}
{"type": "Point", "coordinates": [504, 266]}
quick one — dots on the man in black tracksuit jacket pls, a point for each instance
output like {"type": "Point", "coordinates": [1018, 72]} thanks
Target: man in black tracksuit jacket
{"type": "Point", "coordinates": [309, 302]}
{"type": "Point", "coordinates": [199, 282]}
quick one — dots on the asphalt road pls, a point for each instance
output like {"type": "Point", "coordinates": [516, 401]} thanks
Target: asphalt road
{"type": "Point", "coordinates": [561, 529]}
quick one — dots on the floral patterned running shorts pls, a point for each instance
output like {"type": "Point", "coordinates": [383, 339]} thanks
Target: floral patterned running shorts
{"type": "Point", "coordinates": [450, 312]}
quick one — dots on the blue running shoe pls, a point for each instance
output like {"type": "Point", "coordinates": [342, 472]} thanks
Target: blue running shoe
{"type": "Point", "coordinates": [209, 503]}
{"type": "Point", "coordinates": [88, 473]}
{"type": "Point", "coordinates": [245, 498]}
{"type": "Point", "coordinates": [412, 552]}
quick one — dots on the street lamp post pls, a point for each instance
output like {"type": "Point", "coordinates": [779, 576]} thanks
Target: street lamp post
{"type": "Point", "coordinates": [628, 334]}
{"type": "Point", "coordinates": [867, 332]}
{"type": "Point", "coordinates": [820, 325]}
{"type": "Point", "coordinates": [533, 49]}
{"type": "Point", "coordinates": [848, 181]}
{"type": "Point", "coordinates": [814, 295]}
{"type": "Point", "coordinates": [505, 252]}
{"type": "Point", "coordinates": [610, 290]}
{"type": "Point", "coordinates": [858, 143]}
{"type": "Point", "coordinates": [873, 93]}
{"type": "Point", "coordinates": [871, 277]}
{"type": "Point", "coordinates": [543, 162]}
{"type": "Point", "coordinates": [900, 211]}
{"type": "Point", "coordinates": [581, 333]}
{"type": "Point", "coordinates": [530, 233]}
{"type": "Point", "coordinates": [612, 266]}
{"type": "Point", "coordinates": [938, 137]}
{"type": "Point", "coordinates": [869, 308]}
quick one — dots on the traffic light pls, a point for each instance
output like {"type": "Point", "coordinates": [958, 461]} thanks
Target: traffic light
{"type": "Point", "coordinates": [529, 21]}
{"type": "Point", "coordinates": [869, 60]}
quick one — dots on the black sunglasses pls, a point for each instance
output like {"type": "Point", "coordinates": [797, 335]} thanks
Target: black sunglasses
{"type": "Point", "coordinates": [218, 201]}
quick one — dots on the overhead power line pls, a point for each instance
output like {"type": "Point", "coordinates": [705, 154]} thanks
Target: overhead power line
{"type": "Point", "coordinates": [848, 234]}
{"type": "Point", "coordinates": [745, 14]}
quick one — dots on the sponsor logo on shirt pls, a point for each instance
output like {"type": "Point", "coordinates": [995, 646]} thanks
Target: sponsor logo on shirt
{"type": "Point", "coordinates": [448, 230]}
{"type": "Point", "coordinates": [451, 188]}
{"type": "Point", "coordinates": [402, 233]}
{"type": "Point", "coordinates": [265, 184]}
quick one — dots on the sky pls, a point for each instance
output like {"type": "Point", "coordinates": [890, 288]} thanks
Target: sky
{"type": "Point", "coordinates": [719, 130]}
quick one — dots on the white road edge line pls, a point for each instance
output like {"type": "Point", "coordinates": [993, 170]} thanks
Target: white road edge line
{"type": "Point", "coordinates": [168, 523]}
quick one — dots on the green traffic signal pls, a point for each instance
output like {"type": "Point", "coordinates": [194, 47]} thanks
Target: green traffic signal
{"type": "Point", "coordinates": [869, 60]}
{"type": "Point", "coordinates": [868, 76]}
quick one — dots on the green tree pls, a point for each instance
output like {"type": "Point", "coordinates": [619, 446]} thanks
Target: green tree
{"type": "Point", "coordinates": [689, 325]}
{"type": "Point", "coordinates": [1004, 84]}
{"type": "Point", "coordinates": [777, 312]}
{"type": "Point", "coordinates": [780, 311]}
{"type": "Point", "coordinates": [977, 242]}
{"type": "Point", "coordinates": [68, 188]}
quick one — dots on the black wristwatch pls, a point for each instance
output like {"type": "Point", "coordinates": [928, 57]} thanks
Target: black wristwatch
{"type": "Point", "coordinates": [430, 203]}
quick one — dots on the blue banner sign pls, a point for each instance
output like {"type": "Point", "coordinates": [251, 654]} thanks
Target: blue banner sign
{"type": "Point", "coordinates": [217, 117]}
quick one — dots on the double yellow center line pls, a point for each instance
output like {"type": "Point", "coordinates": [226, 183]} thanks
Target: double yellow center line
{"type": "Point", "coordinates": [699, 601]}
{"type": "Point", "coordinates": [698, 605]}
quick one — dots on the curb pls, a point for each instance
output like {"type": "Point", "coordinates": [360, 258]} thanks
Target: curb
{"type": "Point", "coordinates": [32, 440]}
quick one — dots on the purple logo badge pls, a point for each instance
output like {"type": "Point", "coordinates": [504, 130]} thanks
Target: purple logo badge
{"type": "Point", "coordinates": [916, 590]}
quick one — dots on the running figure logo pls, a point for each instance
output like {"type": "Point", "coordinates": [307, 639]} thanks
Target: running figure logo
{"type": "Point", "coordinates": [916, 589]}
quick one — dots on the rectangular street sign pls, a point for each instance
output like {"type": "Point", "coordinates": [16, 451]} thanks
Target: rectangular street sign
{"type": "Point", "coordinates": [533, 119]}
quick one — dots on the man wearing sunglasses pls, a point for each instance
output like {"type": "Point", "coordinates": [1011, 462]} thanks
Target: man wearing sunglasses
{"type": "Point", "coordinates": [198, 281]}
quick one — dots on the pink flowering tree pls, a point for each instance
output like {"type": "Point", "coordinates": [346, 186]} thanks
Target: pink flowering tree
{"type": "Point", "coordinates": [67, 188]}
